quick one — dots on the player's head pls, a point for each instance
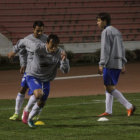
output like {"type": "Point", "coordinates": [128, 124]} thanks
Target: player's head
{"type": "Point", "coordinates": [38, 28]}
{"type": "Point", "coordinates": [52, 43]}
{"type": "Point", "coordinates": [103, 19]}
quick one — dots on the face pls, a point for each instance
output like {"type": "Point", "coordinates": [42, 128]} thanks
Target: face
{"type": "Point", "coordinates": [38, 31]}
{"type": "Point", "coordinates": [101, 24]}
{"type": "Point", "coordinates": [51, 47]}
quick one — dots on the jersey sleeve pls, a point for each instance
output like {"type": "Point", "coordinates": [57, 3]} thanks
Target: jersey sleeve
{"type": "Point", "coordinates": [105, 49]}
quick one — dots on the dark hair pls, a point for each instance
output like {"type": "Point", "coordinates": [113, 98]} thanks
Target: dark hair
{"type": "Point", "coordinates": [38, 23]}
{"type": "Point", "coordinates": [54, 37]}
{"type": "Point", "coordinates": [104, 16]}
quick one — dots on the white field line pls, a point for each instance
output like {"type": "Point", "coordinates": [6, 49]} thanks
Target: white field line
{"type": "Point", "coordinates": [77, 77]}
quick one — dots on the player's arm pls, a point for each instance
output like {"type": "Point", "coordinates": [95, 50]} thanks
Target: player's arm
{"type": "Point", "coordinates": [11, 55]}
{"type": "Point", "coordinates": [123, 69]}
{"type": "Point", "coordinates": [16, 49]}
{"type": "Point", "coordinates": [124, 60]}
{"type": "Point", "coordinates": [64, 63]}
{"type": "Point", "coordinates": [23, 60]}
{"type": "Point", "coordinates": [105, 52]}
{"type": "Point", "coordinates": [22, 55]}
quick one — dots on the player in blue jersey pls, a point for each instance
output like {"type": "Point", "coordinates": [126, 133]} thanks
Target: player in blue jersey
{"type": "Point", "coordinates": [37, 36]}
{"type": "Point", "coordinates": [112, 63]}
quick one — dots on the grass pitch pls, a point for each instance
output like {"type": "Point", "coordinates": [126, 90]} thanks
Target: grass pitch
{"type": "Point", "coordinates": [74, 118]}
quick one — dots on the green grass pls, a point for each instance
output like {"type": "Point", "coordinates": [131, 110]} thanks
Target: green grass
{"type": "Point", "coordinates": [74, 118]}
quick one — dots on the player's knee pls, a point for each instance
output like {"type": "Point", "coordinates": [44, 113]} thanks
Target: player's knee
{"type": "Point", "coordinates": [110, 88]}
{"type": "Point", "coordinates": [38, 93]}
{"type": "Point", "coordinates": [23, 90]}
{"type": "Point", "coordinates": [41, 103]}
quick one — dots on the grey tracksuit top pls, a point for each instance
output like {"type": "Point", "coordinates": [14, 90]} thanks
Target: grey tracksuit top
{"type": "Point", "coordinates": [112, 50]}
{"type": "Point", "coordinates": [22, 51]}
{"type": "Point", "coordinates": [44, 64]}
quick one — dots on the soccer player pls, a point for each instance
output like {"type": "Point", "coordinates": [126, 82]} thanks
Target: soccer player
{"type": "Point", "coordinates": [112, 63]}
{"type": "Point", "coordinates": [48, 57]}
{"type": "Point", "coordinates": [37, 36]}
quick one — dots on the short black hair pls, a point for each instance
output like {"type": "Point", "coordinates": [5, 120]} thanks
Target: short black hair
{"type": "Point", "coordinates": [104, 16]}
{"type": "Point", "coordinates": [38, 23]}
{"type": "Point", "coordinates": [54, 37]}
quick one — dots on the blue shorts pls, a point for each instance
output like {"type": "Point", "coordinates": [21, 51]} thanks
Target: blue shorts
{"type": "Point", "coordinates": [23, 81]}
{"type": "Point", "coordinates": [24, 84]}
{"type": "Point", "coordinates": [111, 76]}
{"type": "Point", "coordinates": [35, 83]}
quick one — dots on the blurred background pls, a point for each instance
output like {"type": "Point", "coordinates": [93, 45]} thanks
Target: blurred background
{"type": "Point", "coordinates": [74, 21]}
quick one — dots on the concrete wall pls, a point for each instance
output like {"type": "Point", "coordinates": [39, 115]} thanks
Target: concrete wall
{"type": "Point", "coordinates": [5, 45]}
{"type": "Point", "coordinates": [92, 47]}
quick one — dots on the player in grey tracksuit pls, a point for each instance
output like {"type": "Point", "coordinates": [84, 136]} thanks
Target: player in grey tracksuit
{"type": "Point", "coordinates": [112, 62]}
{"type": "Point", "coordinates": [37, 36]}
{"type": "Point", "coordinates": [42, 69]}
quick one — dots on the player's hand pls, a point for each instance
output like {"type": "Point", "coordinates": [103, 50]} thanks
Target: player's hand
{"type": "Point", "coordinates": [11, 55]}
{"type": "Point", "coordinates": [100, 70]}
{"type": "Point", "coordinates": [63, 55]}
{"type": "Point", "coordinates": [123, 70]}
{"type": "Point", "coordinates": [22, 69]}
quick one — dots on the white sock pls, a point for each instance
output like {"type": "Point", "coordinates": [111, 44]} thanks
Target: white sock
{"type": "Point", "coordinates": [35, 111]}
{"type": "Point", "coordinates": [30, 103]}
{"type": "Point", "coordinates": [19, 102]}
{"type": "Point", "coordinates": [40, 111]}
{"type": "Point", "coordinates": [109, 103]}
{"type": "Point", "coordinates": [117, 94]}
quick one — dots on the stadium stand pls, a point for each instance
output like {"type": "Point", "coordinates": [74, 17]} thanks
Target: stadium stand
{"type": "Point", "coordinates": [73, 20]}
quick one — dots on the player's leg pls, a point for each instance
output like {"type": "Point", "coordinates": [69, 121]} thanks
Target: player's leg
{"type": "Point", "coordinates": [35, 85]}
{"type": "Point", "coordinates": [19, 103]}
{"type": "Point", "coordinates": [20, 99]}
{"type": "Point", "coordinates": [119, 96]}
{"type": "Point", "coordinates": [108, 105]}
{"type": "Point", "coordinates": [30, 104]}
{"type": "Point", "coordinates": [28, 107]}
{"type": "Point", "coordinates": [42, 95]}
{"type": "Point", "coordinates": [35, 111]}
{"type": "Point", "coordinates": [109, 102]}
{"type": "Point", "coordinates": [109, 97]}
{"type": "Point", "coordinates": [113, 76]}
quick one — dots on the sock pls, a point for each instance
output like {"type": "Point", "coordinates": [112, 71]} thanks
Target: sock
{"type": "Point", "coordinates": [40, 111]}
{"type": "Point", "coordinates": [109, 102]}
{"type": "Point", "coordinates": [19, 102]}
{"type": "Point", "coordinates": [117, 94]}
{"type": "Point", "coordinates": [35, 111]}
{"type": "Point", "coordinates": [30, 103]}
